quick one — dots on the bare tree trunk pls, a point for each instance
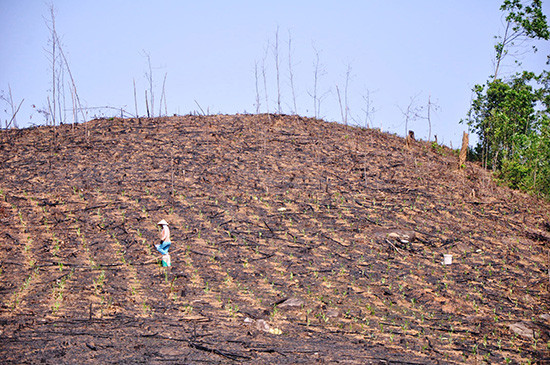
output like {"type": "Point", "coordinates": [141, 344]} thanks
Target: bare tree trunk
{"type": "Point", "coordinates": [315, 80]}
{"type": "Point", "coordinates": [265, 79]}
{"type": "Point", "coordinates": [54, 52]}
{"type": "Point", "coordinates": [147, 105]}
{"type": "Point", "coordinates": [60, 78]}
{"type": "Point", "coordinates": [501, 53]}
{"type": "Point", "coordinates": [66, 63]}
{"type": "Point", "coordinates": [64, 109]}
{"type": "Point", "coordinates": [257, 89]}
{"type": "Point", "coordinates": [165, 106]}
{"type": "Point", "coordinates": [73, 106]}
{"type": "Point", "coordinates": [429, 119]}
{"type": "Point", "coordinates": [49, 107]}
{"type": "Point", "coordinates": [340, 103]}
{"type": "Point", "coordinates": [295, 111]}
{"type": "Point", "coordinates": [162, 95]}
{"type": "Point", "coordinates": [149, 77]}
{"type": "Point", "coordinates": [276, 53]}
{"type": "Point", "coordinates": [13, 112]}
{"type": "Point", "coordinates": [135, 99]}
{"type": "Point", "coordinates": [369, 111]}
{"type": "Point", "coordinates": [346, 109]}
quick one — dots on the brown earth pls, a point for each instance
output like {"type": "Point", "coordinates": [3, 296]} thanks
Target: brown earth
{"type": "Point", "coordinates": [263, 209]}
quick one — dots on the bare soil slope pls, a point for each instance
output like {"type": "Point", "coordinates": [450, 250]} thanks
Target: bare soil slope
{"type": "Point", "coordinates": [289, 246]}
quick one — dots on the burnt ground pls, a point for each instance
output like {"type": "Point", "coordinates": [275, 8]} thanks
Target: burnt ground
{"type": "Point", "coordinates": [263, 209]}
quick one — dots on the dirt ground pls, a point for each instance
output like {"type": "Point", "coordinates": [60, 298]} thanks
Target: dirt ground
{"type": "Point", "coordinates": [294, 241]}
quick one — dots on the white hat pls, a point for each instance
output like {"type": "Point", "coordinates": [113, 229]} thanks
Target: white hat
{"type": "Point", "coordinates": [162, 222]}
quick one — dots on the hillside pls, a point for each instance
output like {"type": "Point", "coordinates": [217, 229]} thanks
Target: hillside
{"type": "Point", "coordinates": [288, 247]}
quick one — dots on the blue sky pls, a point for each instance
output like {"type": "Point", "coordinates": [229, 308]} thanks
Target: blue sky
{"type": "Point", "coordinates": [396, 50]}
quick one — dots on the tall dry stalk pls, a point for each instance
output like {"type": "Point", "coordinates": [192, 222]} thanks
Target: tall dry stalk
{"type": "Point", "coordinates": [317, 74]}
{"type": "Point", "coordinates": [149, 78]}
{"type": "Point", "coordinates": [163, 96]}
{"type": "Point", "coordinates": [431, 107]}
{"type": "Point", "coordinates": [51, 103]}
{"type": "Point", "coordinates": [346, 108]}
{"type": "Point", "coordinates": [60, 65]}
{"type": "Point", "coordinates": [411, 113]}
{"type": "Point", "coordinates": [315, 80]}
{"type": "Point", "coordinates": [276, 54]}
{"type": "Point", "coordinates": [369, 111]}
{"type": "Point", "coordinates": [340, 103]}
{"type": "Point", "coordinates": [257, 104]}
{"type": "Point", "coordinates": [265, 78]}
{"type": "Point", "coordinates": [291, 74]}
{"type": "Point", "coordinates": [135, 99]}
{"type": "Point", "coordinates": [147, 105]}
{"type": "Point", "coordinates": [14, 110]}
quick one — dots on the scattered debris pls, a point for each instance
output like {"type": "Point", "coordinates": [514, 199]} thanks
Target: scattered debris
{"type": "Point", "coordinates": [292, 302]}
{"type": "Point", "coordinates": [403, 236]}
{"type": "Point", "coordinates": [333, 313]}
{"type": "Point", "coordinates": [524, 330]}
{"type": "Point", "coordinates": [263, 326]}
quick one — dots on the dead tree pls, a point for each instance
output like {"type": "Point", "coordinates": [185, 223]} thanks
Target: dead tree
{"type": "Point", "coordinates": [163, 97]}
{"type": "Point", "coordinates": [53, 54]}
{"type": "Point", "coordinates": [369, 111]}
{"type": "Point", "coordinates": [149, 78]}
{"type": "Point", "coordinates": [14, 110]}
{"type": "Point", "coordinates": [346, 108]}
{"type": "Point", "coordinates": [276, 55]}
{"type": "Point", "coordinates": [317, 74]}
{"type": "Point", "coordinates": [265, 78]}
{"type": "Point", "coordinates": [257, 104]}
{"type": "Point", "coordinates": [411, 113]}
{"type": "Point", "coordinates": [135, 99]}
{"type": "Point", "coordinates": [291, 75]}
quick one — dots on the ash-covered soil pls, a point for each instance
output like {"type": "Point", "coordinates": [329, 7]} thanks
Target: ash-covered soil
{"type": "Point", "coordinates": [294, 241]}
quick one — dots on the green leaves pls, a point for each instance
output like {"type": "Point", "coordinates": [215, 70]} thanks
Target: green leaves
{"type": "Point", "coordinates": [523, 22]}
{"type": "Point", "coordinates": [526, 20]}
{"type": "Point", "coordinates": [511, 117]}
{"type": "Point", "coordinates": [512, 120]}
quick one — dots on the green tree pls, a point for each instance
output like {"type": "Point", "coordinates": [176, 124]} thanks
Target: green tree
{"type": "Point", "coordinates": [511, 116]}
{"type": "Point", "coordinates": [512, 121]}
{"type": "Point", "coordinates": [499, 111]}
{"type": "Point", "coordinates": [523, 21]}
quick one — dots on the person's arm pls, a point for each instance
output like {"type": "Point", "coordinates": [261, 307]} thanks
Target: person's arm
{"type": "Point", "coordinates": [164, 234]}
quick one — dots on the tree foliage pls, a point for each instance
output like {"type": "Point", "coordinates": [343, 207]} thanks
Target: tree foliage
{"type": "Point", "coordinates": [512, 121]}
{"type": "Point", "coordinates": [523, 22]}
{"type": "Point", "coordinates": [512, 116]}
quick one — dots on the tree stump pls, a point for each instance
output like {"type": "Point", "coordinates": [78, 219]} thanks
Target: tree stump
{"type": "Point", "coordinates": [463, 151]}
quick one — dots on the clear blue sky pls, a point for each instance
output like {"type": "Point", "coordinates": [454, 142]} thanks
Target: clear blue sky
{"type": "Point", "coordinates": [208, 49]}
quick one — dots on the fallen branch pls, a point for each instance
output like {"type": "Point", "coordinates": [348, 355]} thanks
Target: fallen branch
{"type": "Point", "coordinates": [14, 114]}
{"type": "Point", "coordinates": [228, 355]}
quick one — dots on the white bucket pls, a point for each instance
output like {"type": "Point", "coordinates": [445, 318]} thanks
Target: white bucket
{"type": "Point", "coordinates": [447, 259]}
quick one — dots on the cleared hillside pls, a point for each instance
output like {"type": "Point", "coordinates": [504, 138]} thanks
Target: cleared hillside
{"type": "Point", "coordinates": [263, 209]}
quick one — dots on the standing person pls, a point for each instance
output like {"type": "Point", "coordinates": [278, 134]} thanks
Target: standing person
{"type": "Point", "coordinates": [164, 246]}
